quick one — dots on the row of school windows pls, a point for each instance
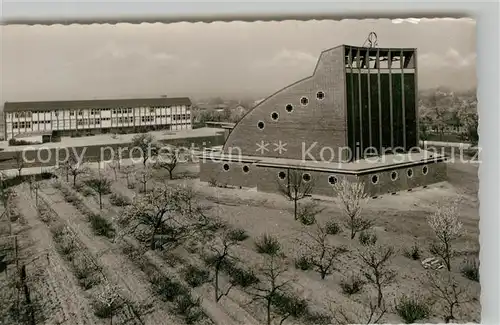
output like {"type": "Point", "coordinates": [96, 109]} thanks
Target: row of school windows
{"type": "Point", "coordinates": [27, 124]}
{"type": "Point", "coordinates": [94, 111]}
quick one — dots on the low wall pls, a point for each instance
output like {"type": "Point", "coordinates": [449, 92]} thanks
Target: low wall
{"type": "Point", "coordinates": [42, 156]}
{"type": "Point", "coordinates": [266, 179]}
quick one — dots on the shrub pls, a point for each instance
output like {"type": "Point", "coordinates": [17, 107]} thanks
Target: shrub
{"type": "Point", "coordinates": [303, 263]}
{"type": "Point", "coordinates": [288, 304]}
{"type": "Point", "coordinates": [166, 288]}
{"type": "Point", "coordinates": [267, 244]}
{"type": "Point", "coordinates": [367, 238]}
{"type": "Point", "coordinates": [103, 184]}
{"type": "Point", "coordinates": [333, 228]}
{"type": "Point", "coordinates": [85, 273]}
{"type": "Point", "coordinates": [352, 285]}
{"type": "Point", "coordinates": [237, 234]}
{"type": "Point", "coordinates": [317, 318]}
{"type": "Point", "coordinates": [306, 213]}
{"type": "Point", "coordinates": [105, 310]}
{"type": "Point", "coordinates": [196, 276]}
{"type": "Point", "coordinates": [239, 276]}
{"type": "Point", "coordinates": [101, 226]}
{"type": "Point", "coordinates": [119, 200]}
{"type": "Point", "coordinates": [413, 252]}
{"type": "Point", "coordinates": [213, 182]}
{"type": "Point", "coordinates": [411, 309]}
{"type": "Point", "coordinates": [470, 270]}
{"type": "Point", "coordinates": [85, 190]}
{"type": "Point", "coordinates": [188, 307]}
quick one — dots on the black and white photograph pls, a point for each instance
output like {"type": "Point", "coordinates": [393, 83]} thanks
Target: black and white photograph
{"type": "Point", "coordinates": [240, 173]}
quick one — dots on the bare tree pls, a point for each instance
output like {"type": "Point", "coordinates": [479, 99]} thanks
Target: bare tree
{"type": "Point", "coordinates": [151, 210]}
{"type": "Point", "coordinates": [144, 176]}
{"type": "Point", "coordinates": [75, 168]}
{"type": "Point", "coordinates": [168, 159]}
{"type": "Point", "coordinates": [221, 255]}
{"type": "Point", "coordinates": [19, 161]}
{"type": "Point", "coordinates": [295, 187]}
{"type": "Point", "coordinates": [447, 289]}
{"type": "Point", "coordinates": [447, 228]}
{"type": "Point", "coordinates": [101, 185]}
{"type": "Point", "coordinates": [127, 171]}
{"type": "Point", "coordinates": [351, 196]}
{"type": "Point", "coordinates": [115, 167]}
{"type": "Point", "coordinates": [272, 283]}
{"type": "Point", "coordinates": [374, 261]}
{"type": "Point", "coordinates": [147, 144]}
{"type": "Point", "coordinates": [321, 254]}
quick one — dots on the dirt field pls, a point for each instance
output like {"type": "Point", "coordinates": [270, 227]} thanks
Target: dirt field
{"type": "Point", "coordinates": [127, 264]}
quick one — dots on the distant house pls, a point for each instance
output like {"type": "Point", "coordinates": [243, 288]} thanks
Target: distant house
{"type": "Point", "coordinates": [237, 112]}
{"type": "Point", "coordinates": [211, 107]}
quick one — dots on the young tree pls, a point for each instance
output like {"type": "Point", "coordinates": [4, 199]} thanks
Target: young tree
{"type": "Point", "coordinates": [351, 196]}
{"type": "Point", "coordinates": [471, 123]}
{"type": "Point", "coordinates": [101, 185]}
{"type": "Point", "coordinates": [115, 166]}
{"type": "Point", "coordinates": [295, 187]}
{"type": "Point", "coordinates": [147, 144]}
{"type": "Point", "coordinates": [128, 170]}
{"type": "Point", "coordinates": [272, 283]}
{"type": "Point", "coordinates": [447, 289]}
{"type": "Point", "coordinates": [168, 158]}
{"type": "Point", "coordinates": [19, 162]}
{"type": "Point", "coordinates": [221, 255]}
{"type": "Point", "coordinates": [75, 168]}
{"type": "Point", "coordinates": [374, 262]}
{"type": "Point", "coordinates": [320, 252]}
{"type": "Point", "coordinates": [151, 210]}
{"type": "Point", "coordinates": [144, 175]}
{"type": "Point", "coordinates": [447, 228]}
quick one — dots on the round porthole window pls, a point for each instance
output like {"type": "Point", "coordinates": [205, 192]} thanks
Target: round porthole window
{"type": "Point", "coordinates": [304, 101]}
{"type": "Point", "coordinates": [409, 172]}
{"type": "Point", "coordinates": [394, 176]}
{"type": "Point", "coordinates": [226, 167]}
{"type": "Point", "coordinates": [260, 125]}
{"type": "Point", "coordinates": [425, 170]}
{"type": "Point", "coordinates": [282, 175]}
{"type": "Point", "coordinates": [332, 180]}
{"type": "Point", "coordinates": [246, 169]}
{"type": "Point", "coordinates": [275, 115]}
{"type": "Point", "coordinates": [289, 108]}
{"type": "Point", "coordinates": [306, 177]}
{"type": "Point", "coordinates": [375, 179]}
{"type": "Point", "coordinates": [320, 95]}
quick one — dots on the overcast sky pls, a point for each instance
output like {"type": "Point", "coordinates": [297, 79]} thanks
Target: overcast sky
{"type": "Point", "coordinates": [217, 59]}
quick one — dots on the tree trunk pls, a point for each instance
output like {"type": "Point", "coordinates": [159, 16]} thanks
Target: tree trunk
{"type": "Point", "coordinates": [379, 296]}
{"type": "Point", "coordinates": [74, 180]}
{"type": "Point", "coordinates": [170, 174]}
{"type": "Point", "coordinates": [100, 200]}
{"type": "Point", "coordinates": [295, 208]}
{"type": "Point", "coordinates": [269, 311]}
{"type": "Point", "coordinates": [217, 298]}
{"type": "Point", "coordinates": [152, 243]}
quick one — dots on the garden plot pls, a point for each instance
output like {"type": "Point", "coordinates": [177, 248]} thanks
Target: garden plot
{"type": "Point", "coordinates": [403, 226]}
{"type": "Point", "coordinates": [215, 312]}
{"type": "Point", "coordinates": [128, 281]}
